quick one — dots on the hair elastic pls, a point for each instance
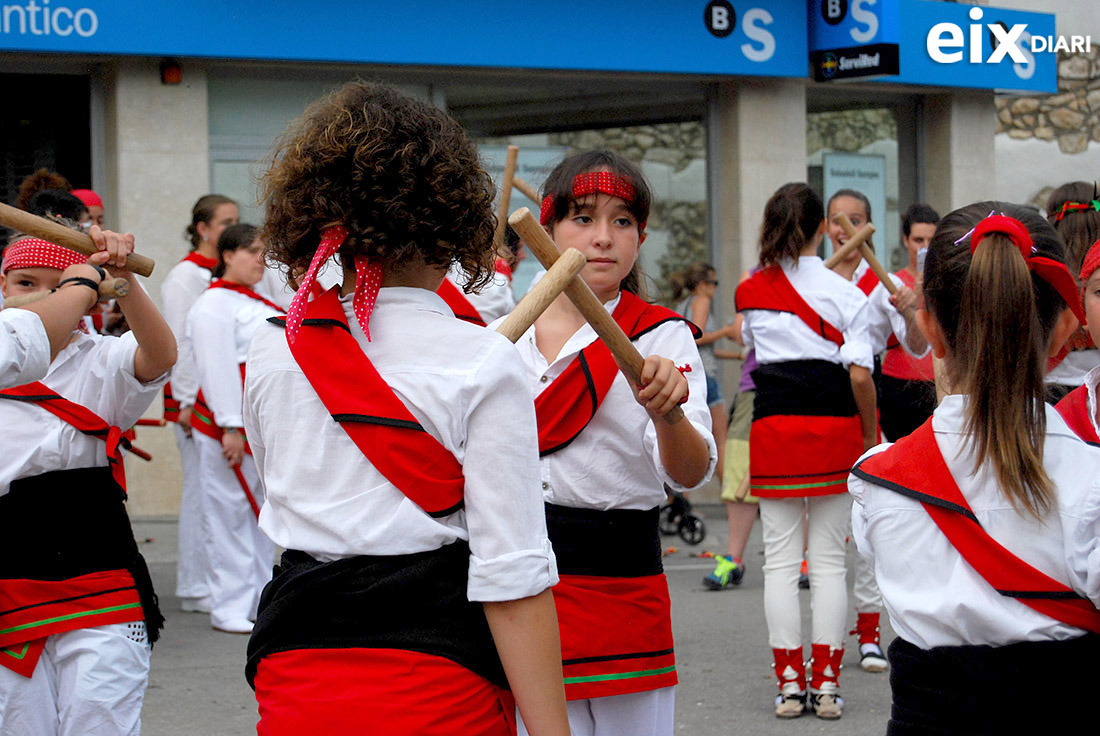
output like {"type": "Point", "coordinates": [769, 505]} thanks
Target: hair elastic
{"type": "Point", "coordinates": [1053, 272]}
{"type": "Point", "coordinates": [1076, 207]}
{"type": "Point", "coordinates": [368, 280]}
{"type": "Point", "coordinates": [593, 182]}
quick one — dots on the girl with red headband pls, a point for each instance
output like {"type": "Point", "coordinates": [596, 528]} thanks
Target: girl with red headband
{"type": "Point", "coordinates": [982, 525]}
{"type": "Point", "coordinates": [210, 215]}
{"type": "Point", "coordinates": [1074, 211]}
{"type": "Point", "coordinates": [396, 445]}
{"type": "Point", "coordinates": [1079, 407]}
{"type": "Point", "coordinates": [607, 453]}
{"type": "Point", "coordinates": [219, 330]}
{"type": "Point", "coordinates": [814, 392]}
{"type": "Point", "coordinates": [77, 609]}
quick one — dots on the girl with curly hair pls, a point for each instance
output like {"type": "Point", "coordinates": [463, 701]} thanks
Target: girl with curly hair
{"type": "Point", "coordinates": [415, 586]}
{"type": "Point", "coordinates": [607, 453]}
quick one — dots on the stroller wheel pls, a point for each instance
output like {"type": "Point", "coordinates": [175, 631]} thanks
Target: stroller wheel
{"type": "Point", "coordinates": [692, 529]}
{"type": "Point", "coordinates": [669, 523]}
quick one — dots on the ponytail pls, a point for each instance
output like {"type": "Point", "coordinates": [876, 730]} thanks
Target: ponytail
{"type": "Point", "coordinates": [791, 218]}
{"type": "Point", "coordinates": [997, 317]}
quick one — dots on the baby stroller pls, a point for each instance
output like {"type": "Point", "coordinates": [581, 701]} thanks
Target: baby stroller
{"type": "Point", "coordinates": [676, 518]}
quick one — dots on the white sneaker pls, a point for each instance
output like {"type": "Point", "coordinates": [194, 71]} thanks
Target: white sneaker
{"type": "Point", "coordinates": [871, 658]}
{"type": "Point", "coordinates": [243, 626]}
{"type": "Point", "coordinates": [195, 605]}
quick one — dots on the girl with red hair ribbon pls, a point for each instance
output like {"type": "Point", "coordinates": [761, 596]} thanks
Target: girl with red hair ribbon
{"type": "Point", "coordinates": [982, 525]}
{"type": "Point", "coordinates": [607, 453]}
{"type": "Point", "coordinates": [396, 445]}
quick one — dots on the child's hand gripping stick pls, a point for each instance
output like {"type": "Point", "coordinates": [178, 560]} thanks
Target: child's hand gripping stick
{"type": "Point", "coordinates": [542, 294]}
{"type": "Point", "coordinates": [108, 289]}
{"type": "Point", "coordinates": [55, 232]}
{"type": "Point", "coordinates": [626, 355]}
{"type": "Point", "coordinates": [868, 254]}
{"type": "Point", "coordinates": [855, 242]}
{"type": "Point", "coordinates": [505, 198]}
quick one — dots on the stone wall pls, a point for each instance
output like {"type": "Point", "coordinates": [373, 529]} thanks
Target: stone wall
{"type": "Point", "coordinates": [1070, 117]}
{"type": "Point", "coordinates": [849, 130]}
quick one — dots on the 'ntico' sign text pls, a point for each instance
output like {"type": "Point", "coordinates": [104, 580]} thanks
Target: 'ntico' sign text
{"type": "Point", "coordinates": [41, 19]}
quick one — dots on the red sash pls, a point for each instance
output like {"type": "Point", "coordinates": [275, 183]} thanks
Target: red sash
{"type": "Point", "coordinates": [616, 635]}
{"type": "Point", "coordinates": [1074, 408]}
{"type": "Point", "coordinates": [771, 290]}
{"type": "Point", "coordinates": [201, 261]}
{"type": "Point", "coordinates": [223, 284]}
{"type": "Point", "coordinates": [867, 282]}
{"type": "Point", "coordinates": [458, 303]}
{"type": "Point", "coordinates": [568, 404]}
{"type": "Point", "coordinates": [373, 416]}
{"type": "Point", "coordinates": [914, 467]}
{"type": "Point", "coordinates": [31, 610]}
{"type": "Point", "coordinates": [202, 417]}
{"type": "Point", "coordinates": [83, 419]}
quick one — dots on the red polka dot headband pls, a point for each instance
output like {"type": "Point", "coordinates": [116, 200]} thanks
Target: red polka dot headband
{"type": "Point", "coordinates": [38, 253]}
{"type": "Point", "coordinates": [368, 280]}
{"type": "Point", "coordinates": [593, 182]}
{"type": "Point", "coordinates": [1053, 272]}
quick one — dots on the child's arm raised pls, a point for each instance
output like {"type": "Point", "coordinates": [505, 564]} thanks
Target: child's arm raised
{"type": "Point", "coordinates": [156, 351]}
{"type": "Point", "coordinates": [526, 636]}
{"type": "Point", "coordinates": [684, 453]}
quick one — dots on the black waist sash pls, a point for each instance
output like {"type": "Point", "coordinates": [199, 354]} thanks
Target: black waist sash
{"type": "Point", "coordinates": [621, 543]}
{"type": "Point", "coordinates": [803, 388]}
{"type": "Point", "coordinates": [415, 602]}
{"type": "Point", "coordinates": [990, 690]}
{"type": "Point", "coordinates": [67, 523]}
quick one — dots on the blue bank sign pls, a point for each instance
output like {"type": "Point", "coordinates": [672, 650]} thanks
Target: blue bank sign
{"type": "Point", "coordinates": [727, 37]}
{"type": "Point", "coordinates": [936, 43]}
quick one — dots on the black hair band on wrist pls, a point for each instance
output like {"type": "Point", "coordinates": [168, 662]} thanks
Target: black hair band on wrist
{"type": "Point", "coordinates": [100, 270]}
{"type": "Point", "coordinates": [82, 282]}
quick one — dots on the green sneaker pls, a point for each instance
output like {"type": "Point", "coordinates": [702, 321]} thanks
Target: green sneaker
{"type": "Point", "coordinates": [726, 573]}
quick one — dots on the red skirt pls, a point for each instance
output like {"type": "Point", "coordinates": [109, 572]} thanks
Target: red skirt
{"type": "Point", "coordinates": [616, 635]}
{"type": "Point", "coordinates": [377, 691]}
{"type": "Point", "coordinates": [792, 456]}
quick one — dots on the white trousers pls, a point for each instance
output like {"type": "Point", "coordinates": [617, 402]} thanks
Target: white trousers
{"type": "Point", "coordinates": [193, 567]}
{"type": "Point", "coordinates": [88, 682]}
{"type": "Point", "coordinates": [636, 714]}
{"type": "Point", "coordinates": [828, 526]}
{"type": "Point", "coordinates": [864, 588]}
{"type": "Point", "coordinates": [240, 555]}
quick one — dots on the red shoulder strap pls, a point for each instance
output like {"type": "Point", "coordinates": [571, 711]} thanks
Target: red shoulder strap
{"type": "Point", "coordinates": [867, 282]}
{"type": "Point", "coordinates": [1074, 408]}
{"type": "Point", "coordinates": [82, 418]}
{"type": "Point", "coordinates": [770, 289]}
{"type": "Point", "coordinates": [568, 404]}
{"type": "Point", "coordinates": [914, 467]}
{"type": "Point", "coordinates": [373, 416]}
{"type": "Point", "coordinates": [458, 303]}
{"type": "Point", "coordinates": [200, 260]}
{"type": "Point", "coordinates": [223, 284]}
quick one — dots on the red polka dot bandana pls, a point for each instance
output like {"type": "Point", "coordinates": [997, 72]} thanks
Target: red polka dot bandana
{"type": "Point", "coordinates": [593, 182]}
{"type": "Point", "coordinates": [38, 253]}
{"type": "Point", "coordinates": [368, 280]}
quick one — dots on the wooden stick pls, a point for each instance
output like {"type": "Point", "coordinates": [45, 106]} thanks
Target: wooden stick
{"type": "Point", "coordinates": [108, 289]}
{"type": "Point", "coordinates": [525, 189]}
{"type": "Point", "coordinates": [626, 355]}
{"type": "Point", "coordinates": [545, 291]}
{"type": "Point", "coordinates": [854, 243]}
{"type": "Point", "coordinates": [150, 423]}
{"type": "Point", "coordinates": [55, 232]}
{"type": "Point", "coordinates": [505, 198]}
{"type": "Point", "coordinates": [141, 453]}
{"type": "Point", "coordinates": [868, 254]}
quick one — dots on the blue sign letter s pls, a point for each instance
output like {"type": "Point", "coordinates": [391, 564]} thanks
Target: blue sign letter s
{"type": "Point", "coordinates": [862, 15]}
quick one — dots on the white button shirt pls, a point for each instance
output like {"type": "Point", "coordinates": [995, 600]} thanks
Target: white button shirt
{"type": "Point", "coordinates": [615, 462]}
{"type": "Point", "coordinates": [466, 386]}
{"type": "Point", "coordinates": [883, 320]}
{"type": "Point", "coordinates": [933, 596]}
{"type": "Point", "coordinates": [1092, 378]}
{"type": "Point", "coordinates": [220, 328]}
{"type": "Point", "coordinates": [178, 292]}
{"type": "Point", "coordinates": [94, 371]}
{"type": "Point", "coordinates": [24, 348]}
{"type": "Point", "coordinates": [779, 337]}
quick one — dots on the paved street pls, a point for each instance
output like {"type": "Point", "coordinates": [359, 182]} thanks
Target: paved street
{"type": "Point", "coordinates": [726, 687]}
